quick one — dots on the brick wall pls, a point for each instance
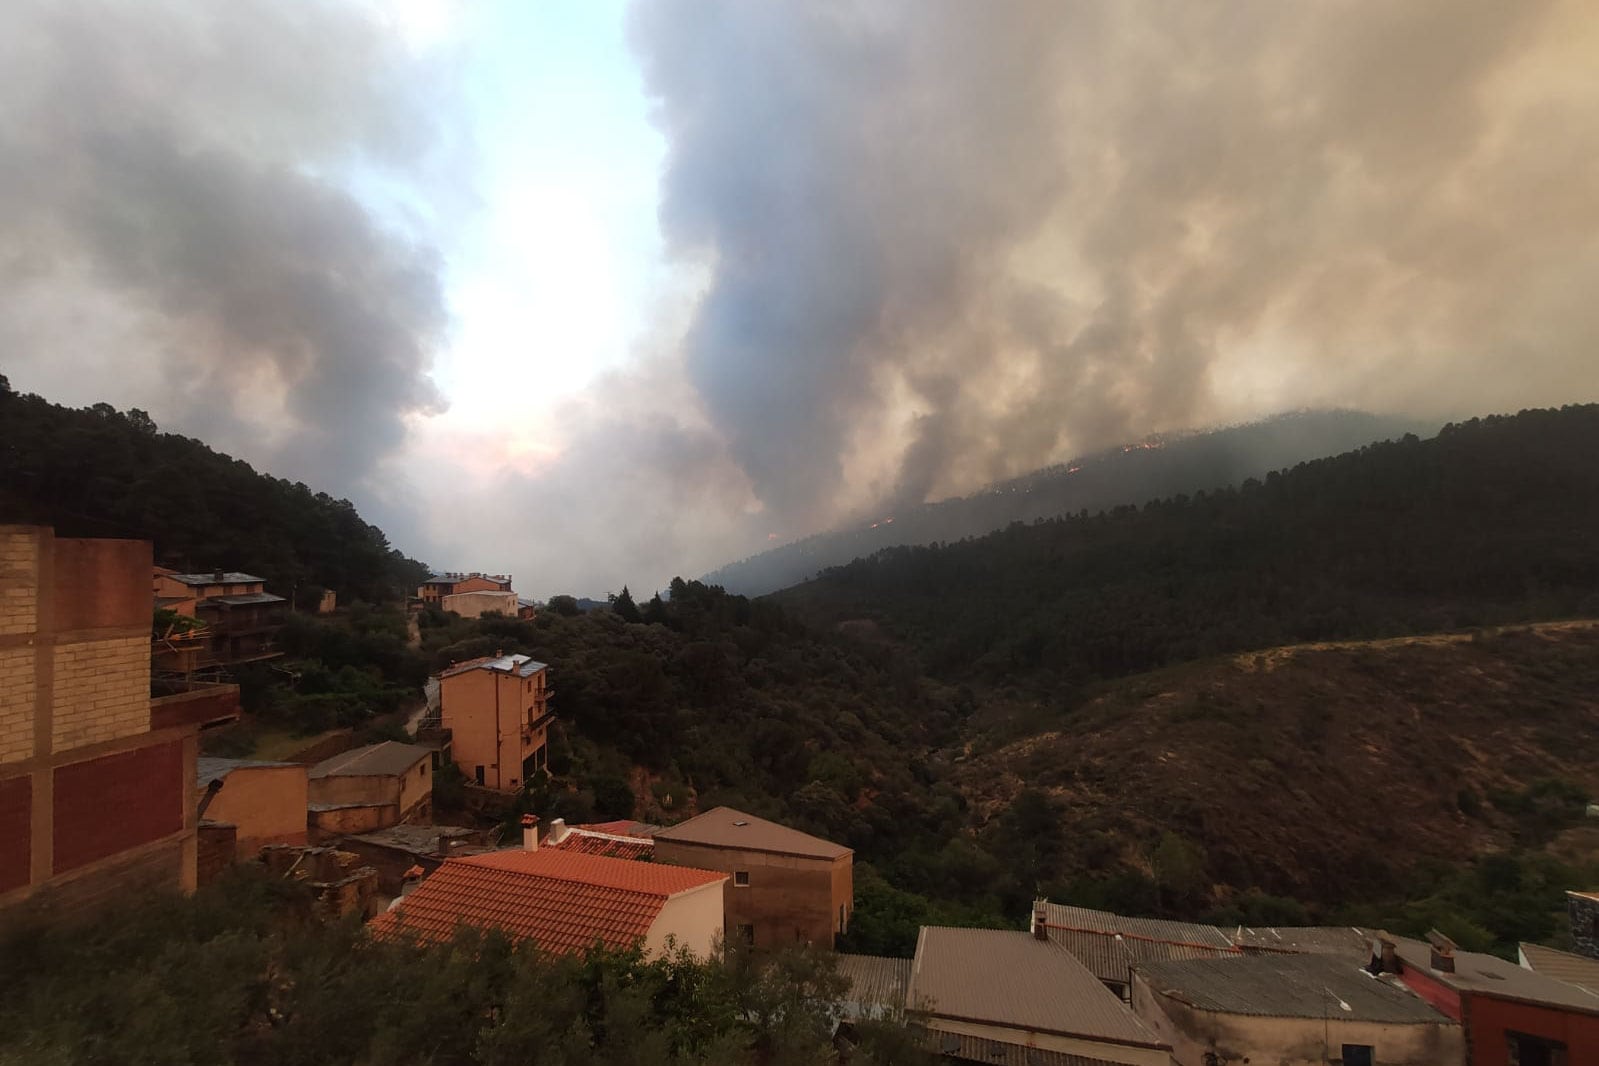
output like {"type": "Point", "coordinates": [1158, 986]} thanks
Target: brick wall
{"type": "Point", "coordinates": [106, 805]}
{"type": "Point", "coordinates": [16, 703]}
{"type": "Point", "coordinates": [102, 690]}
{"type": "Point", "coordinates": [19, 580]}
{"type": "Point", "coordinates": [216, 850]}
{"type": "Point", "coordinates": [16, 832]}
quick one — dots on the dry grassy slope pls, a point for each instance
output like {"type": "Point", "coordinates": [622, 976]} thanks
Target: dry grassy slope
{"type": "Point", "coordinates": [1320, 770]}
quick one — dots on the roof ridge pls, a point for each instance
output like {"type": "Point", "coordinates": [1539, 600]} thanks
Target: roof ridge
{"type": "Point", "coordinates": [1232, 949]}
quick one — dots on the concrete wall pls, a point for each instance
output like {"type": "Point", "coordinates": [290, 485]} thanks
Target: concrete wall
{"type": "Point", "coordinates": [477, 604]}
{"type": "Point", "coordinates": [1238, 1038]}
{"type": "Point", "coordinates": [327, 825]}
{"type": "Point", "coordinates": [94, 802]}
{"type": "Point", "coordinates": [693, 920]}
{"type": "Point", "coordinates": [788, 899]}
{"type": "Point", "coordinates": [267, 803]}
{"type": "Point", "coordinates": [353, 788]}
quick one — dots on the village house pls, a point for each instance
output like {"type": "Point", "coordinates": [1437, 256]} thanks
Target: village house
{"type": "Point", "coordinates": [785, 886]}
{"type": "Point", "coordinates": [241, 618]}
{"type": "Point", "coordinates": [497, 712]}
{"type": "Point", "coordinates": [438, 586]}
{"type": "Point", "coordinates": [371, 788]}
{"type": "Point", "coordinates": [1290, 1010]}
{"type": "Point", "coordinates": [97, 775]}
{"type": "Point", "coordinates": [1512, 1016]}
{"type": "Point", "coordinates": [265, 802]}
{"type": "Point", "coordinates": [995, 995]}
{"type": "Point", "coordinates": [564, 901]}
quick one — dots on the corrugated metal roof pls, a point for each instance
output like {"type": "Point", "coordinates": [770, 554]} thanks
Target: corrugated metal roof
{"type": "Point", "coordinates": [1346, 940]}
{"type": "Point", "coordinates": [521, 665]}
{"type": "Point", "coordinates": [229, 577]}
{"type": "Point", "coordinates": [1014, 980]}
{"type": "Point", "coordinates": [1287, 986]}
{"type": "Point", "coordinates": [1490, 975]}
{"type": "Point", "coordinates": [1577, 970]}
{"type": "Point", "coordinates": [209, 768]}
{"type": "Point", "coordinates": [1112, 956]}
{"type": "Point", "coordinates": [1149, 928]}
{"type": "Point", "coordinates": [875, 979]}
{"type": "Point", "coordinates": [245, 599]}
{"type": "Point", "coordinates": [562, 901]}
{"type": "Point", "coordinates": [724, 827]}
{"type": "Point", "coordinates": [387, 759]}
{"type": "Point", "coordinates": [963, 1047]}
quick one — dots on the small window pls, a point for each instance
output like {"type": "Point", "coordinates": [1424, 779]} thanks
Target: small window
{"type": "Point", "coordinates": [741, 878]}
{"type": "Point", "coordinates": [747, 933]}
{"type": "Point", "coordinates": [1357, 1055]}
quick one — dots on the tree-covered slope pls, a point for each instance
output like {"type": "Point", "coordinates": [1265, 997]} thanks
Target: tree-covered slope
{"type": "Point", "coordinates": [99, 472]}
{"type": "Point", "coordinates": [1493, 520]}
{"type": "Point", "coordinates": [1158, 466]}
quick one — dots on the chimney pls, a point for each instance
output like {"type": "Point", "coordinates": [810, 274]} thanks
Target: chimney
{"type": "Point", "coordinates": [1384, 954]}
{"type": "Point", "coordinates": [530, 833]}
{"type": "Point", "coordinates": [410, 879]}
{"type": "Point", "coordinates": [1443, 952]}
{"type": "Point", "coordinates": [219, 575]}
{"type": "Point", "coordinates": [1040, 930]}
{"type": "Point", "coordinates": [557, 831]}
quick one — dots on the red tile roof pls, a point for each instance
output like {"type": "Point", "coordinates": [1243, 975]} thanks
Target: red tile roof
{"type": "Point", "coordinates": [622, 827]}
{"type": "Point", "coordinates": [617, 847]}
{"type": "Point", "coordinates": [563, 901]}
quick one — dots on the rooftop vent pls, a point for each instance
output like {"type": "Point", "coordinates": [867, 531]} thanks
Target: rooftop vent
{"type": "Point", "coordinates": [740, 821]}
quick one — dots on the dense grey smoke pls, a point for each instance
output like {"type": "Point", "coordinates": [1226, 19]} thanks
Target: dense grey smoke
{"type": "Point", "coordinates": [951, 241]}
{"type": "Point", "coordinates": [174, 214]}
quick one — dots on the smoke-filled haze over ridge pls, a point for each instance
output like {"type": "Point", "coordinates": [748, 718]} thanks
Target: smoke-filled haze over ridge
{"type": "Point", "coordinates": [600, 293]}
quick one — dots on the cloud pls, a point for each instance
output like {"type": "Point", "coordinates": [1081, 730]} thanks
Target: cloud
{"type": "Point", "coordinates": [175, 192]}
{"type": "Point", "coordinates": [954, 241]}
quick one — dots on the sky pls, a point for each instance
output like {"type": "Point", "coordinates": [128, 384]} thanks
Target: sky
{"type": "Point", "coordinates": [600, 293]}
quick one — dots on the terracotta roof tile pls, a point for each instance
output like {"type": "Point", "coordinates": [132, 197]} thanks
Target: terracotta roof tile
{"type": "Point", "coordinates": [617, 847]}
{"type": "Point", "coordinates": [563, 901]}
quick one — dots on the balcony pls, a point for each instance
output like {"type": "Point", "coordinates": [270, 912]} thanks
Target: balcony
{"type": "Point", "coordinates": [186, 703]}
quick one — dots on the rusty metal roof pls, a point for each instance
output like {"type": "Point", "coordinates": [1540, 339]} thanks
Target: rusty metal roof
{"type": "Point", "coordinates": [1014, 980]}
{"type": "Point", "coordinates": [724, 827]}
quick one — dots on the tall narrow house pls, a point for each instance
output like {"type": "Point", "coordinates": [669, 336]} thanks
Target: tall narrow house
{"type": "Point", "coordinates": [497, 711]}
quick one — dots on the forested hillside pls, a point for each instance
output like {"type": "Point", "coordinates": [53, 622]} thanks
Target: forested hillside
{"type": "Point", "coordinates": [1158, 466]}
{"type": "Point", "coordinates": [99, 472]}
{"type": "Point", "coordinates": [1493, 520]}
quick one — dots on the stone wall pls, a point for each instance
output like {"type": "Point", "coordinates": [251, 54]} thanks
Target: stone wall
{"type": "Point", "coordinates": [1583, 911]}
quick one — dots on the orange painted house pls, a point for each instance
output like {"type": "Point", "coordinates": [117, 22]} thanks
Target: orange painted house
{"type": "Point", "coordinates": [438, 586]}
{"type": "Point", "coordinates": [497, 710]}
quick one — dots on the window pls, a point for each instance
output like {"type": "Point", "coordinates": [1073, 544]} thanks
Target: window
{"type": "Point", "coordinates": [1525, 1050]}
{"type": "Point", "coordinates": [422, 770]}
{"type": "Point", "coordinates": [1358, 1055]}
{"type": "Point", "coordinates": [747, 933]}
{"type": "Point", "coordinates": [741, 878]}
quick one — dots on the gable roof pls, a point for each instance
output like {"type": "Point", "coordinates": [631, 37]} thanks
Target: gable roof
{"type": "Point", "coordinates": [1489, 975]}
{"type": "Point", "coordinates": [1014, 980]}
{"type": "Point", "coordinates": [562, 901]}
{"type": "Point", "coordinates": [1576, 970]}
{"type": "Point", "coordinates": [521, 665]}
{"type": "Point", "coordinates": [1288, 986]}
{"type": "Point", "coordinates": [389, 758]}
{"type": "Point", "coordinates": [724, 827]}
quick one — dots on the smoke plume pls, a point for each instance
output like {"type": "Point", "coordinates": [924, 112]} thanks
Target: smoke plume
{"type": "Point", "coordinates": [955, 241]}
{"type": "Point", "coordinates": [175, 222]}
